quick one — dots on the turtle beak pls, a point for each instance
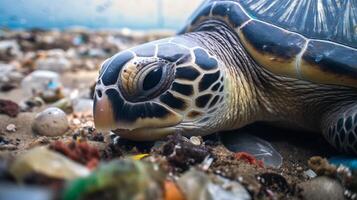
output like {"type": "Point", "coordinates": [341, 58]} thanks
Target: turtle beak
{"type": "Point", "coordinates": [105, 111]}
{"type": "Point", "coordinates": [105, 121]}
{"type": "Point", "coordinates": [103, 114]}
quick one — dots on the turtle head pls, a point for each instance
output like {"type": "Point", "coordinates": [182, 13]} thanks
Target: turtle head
{"type": "Point", "coordinates": [160, 88]}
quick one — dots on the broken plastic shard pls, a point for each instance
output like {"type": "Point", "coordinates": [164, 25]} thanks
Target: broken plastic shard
{"type": "Point", "coordinates": [119, 179]}
{"type": "Point", "coordinates": [40, 82]}
{"type": "Point", "coordinates": [310, 174]}
{"type": "Point", "coordinates": [197, 185]}
{"type": "Point", "coordinates": [9, 49]}
{"type": "Point", "coordinates": [348, 161]}
{"type": "Point", "coordinates": [9, 74]}
{"type": "Point", "coordinates": [55, 64]}
{"type": "Point", "coordinates": [49, 163]}
{"type": "Point", "coordinates": [259, 148]}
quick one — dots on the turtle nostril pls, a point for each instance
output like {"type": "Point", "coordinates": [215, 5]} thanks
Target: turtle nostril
{"type": "Point", "coordinates": [99, 93]}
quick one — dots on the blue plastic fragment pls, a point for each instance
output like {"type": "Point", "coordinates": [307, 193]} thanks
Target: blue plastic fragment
{"type": "Point", "coordinates": [348, 161]}
{"type": "Point", "coordinates": [52, 85]}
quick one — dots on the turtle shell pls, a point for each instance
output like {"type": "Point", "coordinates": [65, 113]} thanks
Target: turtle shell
{"type": "Point", "coordinates": [314, 40]}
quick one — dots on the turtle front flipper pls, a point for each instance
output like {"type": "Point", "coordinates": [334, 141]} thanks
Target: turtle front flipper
{"type": "Point", "coordinates": [340, 129]}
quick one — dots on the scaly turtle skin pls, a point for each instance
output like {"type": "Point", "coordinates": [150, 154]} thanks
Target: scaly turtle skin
{"type": "Point", "coordinates": [292, 62]}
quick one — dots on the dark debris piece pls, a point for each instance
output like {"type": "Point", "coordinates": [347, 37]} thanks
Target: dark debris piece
{"type": "Point", "coordinates": [134, 146]}
{"type": "Point", "coordinates": [182, 153]}
{"type": "Point", "coordinates": [212, 139]}
{"type": "Point", "coordinates": [9, 108]}
{"type": "Point", "coordinates": [43, 180]}
{"type": "Point", "coordinates": [3, 140]}
{"type": "Point", "coordinates": [89, 133]}
{"type": "Point", "coordinates": [274, 182]}
{"type": "Point", "coordinates": [96, 136]}
{"type": "Point", "coordinates": [7, 87]}
{"type": "Point", "coordinates": [5, 175]}
{"type": "Point", "coordinates": [112, 151]}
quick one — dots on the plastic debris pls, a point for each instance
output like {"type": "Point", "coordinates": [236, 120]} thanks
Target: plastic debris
{"type": "Point", "coordinates": [139, 156]}
{"type": "Point", "coordinates": [9, 77]}
{"type": "Point", "coordinates": [80, 152]}
{"type": "Point", "coordinates": [57, 63]}
{"type": "Point", "coordinates": [46, 162]}
{"type": "Point", "coordinates": [9, 49]}
{"type": "Point", "coordinates": [96, 52]}
{"type": "Point", "coordinates": [181, 152]}
{"type": "Point", "coordinates": [348, 161]}
{"type": "Point", "coordinates": [51, 122]}
{"type": "Point", "coordinates": [172, 192]}
{"type": "Point", "coordinates": [206, 163]}
{"type": "Point", "coordinates": [9, 108]}
{"type": "Point", "coordinates": [249, 159]}
{"type": "Point", "coordinates": [197, 185]}
{"type": "Point", "coordinates": [121, 180]}
{"type": "Point", "coordinates": [259, 148]}
{"type": "Point", "coordinates": [45, 84]}
{"type": "Point", "coordinates": [310, 174]}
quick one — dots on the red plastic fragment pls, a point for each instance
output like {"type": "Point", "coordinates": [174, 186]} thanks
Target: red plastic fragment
{"type": "Point", "coordinates": [80, 152]}
{"type": "Point", "coordinates": [249, 159]}
{"type": "Point", "coordinates": [9, 108]}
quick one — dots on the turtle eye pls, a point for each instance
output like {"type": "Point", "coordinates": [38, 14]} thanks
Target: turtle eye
{"type": "Point", "coordinates": [152, 79]}
{"type": "Point", "coordinates": [148, 82]}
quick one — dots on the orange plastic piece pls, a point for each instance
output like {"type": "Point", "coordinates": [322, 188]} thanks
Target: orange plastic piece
{"type": "Point", "coordinates": [172, 192]}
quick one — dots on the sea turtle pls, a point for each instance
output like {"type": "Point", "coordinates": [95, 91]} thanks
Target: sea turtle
{"type": "Point", "coordinates": [292, 62]}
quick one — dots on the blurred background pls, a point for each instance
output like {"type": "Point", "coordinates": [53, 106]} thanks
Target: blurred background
{"type": "Point", "coordinates": [42, 37]}
{"type": "Point", "coordinates": [94, 14]}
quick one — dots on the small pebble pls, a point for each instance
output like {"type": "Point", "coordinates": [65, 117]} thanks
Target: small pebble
{"type": "Point", "coordinates": [51, 122]}
{"type": "Point", "coordinates": [299, 169]}
{"type": "Point", "coordinates": [322, 187]}
{"type": "Point", "coordinates": [76, 121]}
{"type": "Point", "coordinates": [11, 128]}
{"type": "Point", "coordinates": [89, 124]}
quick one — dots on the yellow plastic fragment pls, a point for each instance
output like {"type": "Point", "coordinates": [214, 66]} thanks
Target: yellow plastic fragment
{"type": "Point", "coordinates": [139, 156]}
